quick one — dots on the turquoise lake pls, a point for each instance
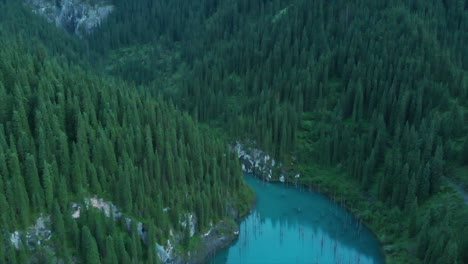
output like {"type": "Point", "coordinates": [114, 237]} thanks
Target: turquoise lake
{"type": "Point", "coordinates": [291, 225]}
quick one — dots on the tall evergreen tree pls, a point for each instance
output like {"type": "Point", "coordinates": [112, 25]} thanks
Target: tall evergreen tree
{"type": "Point", "coordinates": [110, 255]}
{"type": "Point", "coordinates": [33, 183]}
{"type": "Point", "coordinates": [89, 247]}
{"type": "Point", "coordinates": [21, 201]}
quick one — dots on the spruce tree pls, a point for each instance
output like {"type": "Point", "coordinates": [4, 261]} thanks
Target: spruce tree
{"type": "Point", "coordinates": [89, 248]}
{"type": "Point", "coordinates": [47, 185]}
{"type": "Point", "coordinates": [33, 184]}
{"type": "Point", "coordinates": [58, 227]}
{"type": "Point", "coordinates": [2, 245]}
{"type": "Point", "coordinates": [110, 257]}
{"type": "Point", "coordinates": [436, 170]}
{"type": "Point", "coordinates": [20, 202]}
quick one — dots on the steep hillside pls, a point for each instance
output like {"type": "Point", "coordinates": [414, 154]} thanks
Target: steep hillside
{"type": "Point", "coordinates": [366, 99]}
{"type": "Point", "coordinates": [374, 93]}
{"type": "Point", "coordinates": [67, 135]}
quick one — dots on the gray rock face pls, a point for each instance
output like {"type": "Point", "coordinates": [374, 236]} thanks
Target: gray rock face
{"type": "Point", "coordinates": [75, 16]}
{"type": "Point", "coordinates": [262, 165]}
{"type": "Point", "coordinates": [219, 236]}
{"type": "Point", "coordinates": [36, 235]}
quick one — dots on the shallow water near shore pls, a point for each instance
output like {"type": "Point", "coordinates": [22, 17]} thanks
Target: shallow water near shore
{"type": "Point", "coordinates": [291, 225]}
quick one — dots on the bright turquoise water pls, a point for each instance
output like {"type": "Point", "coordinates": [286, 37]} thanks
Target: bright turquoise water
{"type": "Point", "coordinates": [292, 225]}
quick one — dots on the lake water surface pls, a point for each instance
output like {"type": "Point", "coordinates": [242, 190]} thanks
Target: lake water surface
{"type": "Point", "coordinates": [292, 225]}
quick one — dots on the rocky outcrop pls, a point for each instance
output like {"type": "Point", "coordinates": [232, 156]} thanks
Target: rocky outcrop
{"type": "Point", "coordinates": [36, 235]}
{"type": "Point", "coordinates": [75, 16]}
{"type": "Point", "coordinates": [191, 221]}
{"type": "Point", "coordinates": [219, 236]}
{"type": "Point", "coordinates": [215, 239]}
{"type": "Point", "coordinates": [256, 161]}
{"type": "Point", "coordinates": [262, 165]}
{"type": "Point", "coordinates": [110, 210]}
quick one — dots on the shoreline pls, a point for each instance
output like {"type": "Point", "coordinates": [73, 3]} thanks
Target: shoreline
{"type": "Point", "coordinates": [328, 195]}
{"type": "Point", "coordinates": [219, 237]}
{"type": "Point", "coordinates": [262, 166]}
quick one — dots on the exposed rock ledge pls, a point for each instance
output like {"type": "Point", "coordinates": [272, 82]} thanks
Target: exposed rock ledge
{"type": "Point", "coordinates": [75, 16]}
{"type": "Point", "coordinates": [216, 238]}
{"type": "Point", "coordinates": [262, 165]}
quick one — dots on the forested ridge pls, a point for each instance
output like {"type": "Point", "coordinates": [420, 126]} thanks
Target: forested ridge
{"type": "Point", "coordinates": [368, 93]}
{"type": "Point", "coordinates": [67, 134]}
{"type": "Point", "coordinates": [367, 99]}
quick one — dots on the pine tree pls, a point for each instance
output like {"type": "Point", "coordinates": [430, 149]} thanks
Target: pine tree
{"type": "Point", "coordinates": [423, 242]}
{"type": "Point", "coordinates": [412, 226]}
{"type": "Point", "coordinates": [437, 170]}
{"type": "Point", "coordinates": [76, 173]}
{"type": "Point", "coordinates": [110, 256]}
{"type": "Point", "coordinates": [152, 256]}
{"type": "Point", "coordinates": [410, 198]}
{"type": "Point", "coordinates": [33, 184]}
{"type": "Point", "coordinates": [73, 231]}
{"type": "Point", "coordinates": [47, 186]}
{"type": "Point", "coordinates": [10, 256]}
{"type": "Point", "coordinates": [23, 256]}
{"type": "Point", "coordinates": [2, 245]}
{"type": "Point", "coordinates": [58, 227]}
{"type": "Point", "coordinates": [89, 247]}
{"type": "Point", "coordinates": [404, 186]}
{"type": "Point", "coordinates": [121, 251]}
{"type": "Point", "coordinates": [125, 194]}
{"type": "Point", "coordinates": [423, 184]}
{"type": "Point", "coordinates": [450, 255]}
{"type": "Point", "coordinates": [21, 200]}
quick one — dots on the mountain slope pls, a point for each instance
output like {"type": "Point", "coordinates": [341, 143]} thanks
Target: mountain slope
{"type": "Point", "coordinates": [376, 88]}
{"type": "Point", "coordinates": [364, 94]}
{"type": "Point", "coordinates": [67, 134]}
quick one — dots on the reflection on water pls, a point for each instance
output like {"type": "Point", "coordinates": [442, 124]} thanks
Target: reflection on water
{"type": "Point", "coordinates": [291, 225]}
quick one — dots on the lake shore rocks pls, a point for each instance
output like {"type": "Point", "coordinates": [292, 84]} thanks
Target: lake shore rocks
{"type": "Point", "coordinates": [261, 164]}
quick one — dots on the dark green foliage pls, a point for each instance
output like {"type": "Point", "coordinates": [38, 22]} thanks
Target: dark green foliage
{"type": "Point", "coordinates": [19, 197]}
{"type": "Point", "coordinates": [374, 88]}
{"type": "Point", "coordinates": [10, 256]}
{"type": "Point", "coordinates": [121, 251]}
{"type": "Point", "coordinates": [88, 243]}
{"type": "Point", "coordinates": [58, 227]}
{"type": "Point", "coordinates": [440, 240]}
{"type": "Point", "coordinates": [67, 134]}
{"type": "Point", "coordinates": [464, 153]}
{"type": "Point", "coordinates": [110, 256]}
{"type": "Point", "coordinates": [2, 247]}
{"type": "Point", "coordinates": [376, 78]}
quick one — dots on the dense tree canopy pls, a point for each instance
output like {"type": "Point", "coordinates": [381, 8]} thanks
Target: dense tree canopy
{"type": "Point", "coordinates": [378, 89]}
{"type": "Point", "coordinates": [67, 134]}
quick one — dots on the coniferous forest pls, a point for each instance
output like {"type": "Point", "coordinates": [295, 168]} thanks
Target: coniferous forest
{"type": "Point", "coordinates": [367, 99]}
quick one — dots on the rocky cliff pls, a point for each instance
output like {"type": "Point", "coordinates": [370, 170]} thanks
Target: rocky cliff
{"type": "Point", "coordinates": [262, 165]}
{"type": "Point", "coordinates": [78, 17]}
